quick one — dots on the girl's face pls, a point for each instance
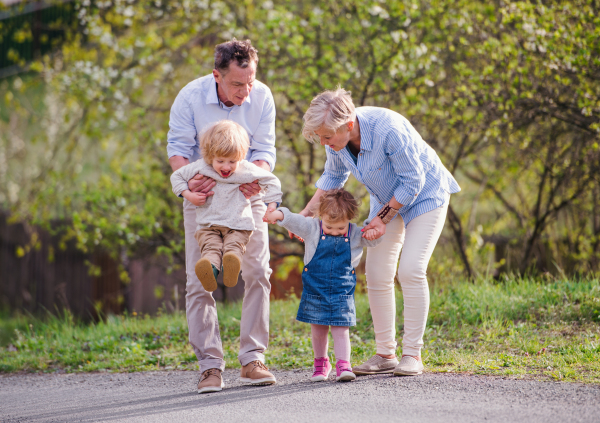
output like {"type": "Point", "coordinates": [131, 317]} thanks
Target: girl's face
{"type": "Point", "coordinates": [225, 166]}
{"type": "Point", "coordinates": [337, 228]}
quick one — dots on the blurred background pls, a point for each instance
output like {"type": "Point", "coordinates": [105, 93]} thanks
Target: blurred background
{"type": "Point", "coordinates": [506, 92]}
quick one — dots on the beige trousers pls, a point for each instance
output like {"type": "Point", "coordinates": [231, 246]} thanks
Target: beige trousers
{"type": "Point", "coordinates": [419, 240]}
{"type": "Point", "coordinates": [218, 240]}
{"type": "Point", "coordinates": [201, 308]}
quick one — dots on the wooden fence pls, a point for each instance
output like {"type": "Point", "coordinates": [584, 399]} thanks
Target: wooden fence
{"type": "Point", "coordinates": [37, 275]}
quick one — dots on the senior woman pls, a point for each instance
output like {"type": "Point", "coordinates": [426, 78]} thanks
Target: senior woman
{"type": "Point", "coordinates": [409, 191]}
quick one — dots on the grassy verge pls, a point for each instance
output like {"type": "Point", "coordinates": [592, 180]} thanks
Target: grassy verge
{"type": "Point", "coordinates": [517, 328]}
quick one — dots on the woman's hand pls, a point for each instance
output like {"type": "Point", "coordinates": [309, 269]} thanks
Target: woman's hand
{"type": "Point", "coordinates": [377, 225]}
{"type": "Point", "coordinates": [202, 184]}
{"type": "Point", "coordinates": [250, 189]}
{"type": "Point", "coordinates": [371, 234]}
{"type": "Point", "coordinates": [272, 215]}
{"type": "Point", "coordinates": [196, 198]}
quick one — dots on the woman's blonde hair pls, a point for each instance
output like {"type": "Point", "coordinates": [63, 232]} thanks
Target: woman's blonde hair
{"type": "Point", "coordinates": [225, 138]}
{"type": "Point", "coordinates": [329, 110]}
{"type": "Point", "coordinates": [337, 204]}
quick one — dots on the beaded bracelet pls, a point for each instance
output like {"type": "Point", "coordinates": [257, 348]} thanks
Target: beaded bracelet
{"type": "Point", "coordinates": [387, 213]}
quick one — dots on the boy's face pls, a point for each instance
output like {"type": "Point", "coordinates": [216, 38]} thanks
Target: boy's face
{"type": "Point", "coordinates": [225, 166]}
{"type": "Point", "coordinates": [337, 228]}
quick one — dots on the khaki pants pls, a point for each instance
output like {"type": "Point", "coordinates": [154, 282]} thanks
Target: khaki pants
{"type": "Point", "coordinates": [218, 240]}
{"type": "Point", "coordinates": [201, 308]}
{"type": "Point", "coordinates": [417, 243]}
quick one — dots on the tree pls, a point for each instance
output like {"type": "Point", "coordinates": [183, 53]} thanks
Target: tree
{"type": "Point", "coordinates": [507, 94]}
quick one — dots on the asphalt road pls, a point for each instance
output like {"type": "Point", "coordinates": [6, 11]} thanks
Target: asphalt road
{"type": "Point", "coordinates": [171, 396]}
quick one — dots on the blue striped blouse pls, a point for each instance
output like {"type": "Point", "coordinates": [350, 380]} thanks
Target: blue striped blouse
{"type": "Point", "coordinates": [393, 161]}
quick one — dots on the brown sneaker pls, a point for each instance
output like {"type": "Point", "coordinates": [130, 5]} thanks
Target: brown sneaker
{"type": "Point", "coordinates": [210, 381]}
{"type": "Point", "coordinates": [256, 373]}
{"type": "Point", "coordinates": [204, 271]}
{"type": "Point", "coordinates": [231, 269]}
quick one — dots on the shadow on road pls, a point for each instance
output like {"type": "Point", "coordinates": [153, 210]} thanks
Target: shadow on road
{"type": "Point", "coordinates": [178, 402]}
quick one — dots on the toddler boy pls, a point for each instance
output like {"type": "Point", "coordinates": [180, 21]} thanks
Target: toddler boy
{"type": "Point", "coordinates": [224, 220]}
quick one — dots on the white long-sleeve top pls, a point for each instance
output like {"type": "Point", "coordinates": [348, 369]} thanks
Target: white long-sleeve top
{"type": "Point", "coordinates": [227, 207]}
{"type": "Point", "coordinates": [310, 230]}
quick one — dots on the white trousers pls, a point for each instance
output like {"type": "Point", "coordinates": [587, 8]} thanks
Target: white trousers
{"type": "Point", "coordinates": [419, 240]}
{"type": "Point", "coordinates": [201, 308]}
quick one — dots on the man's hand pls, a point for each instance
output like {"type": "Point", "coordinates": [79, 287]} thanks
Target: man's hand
{"type": "Point", "coordinates": [202, 184]}
{"type": "Point", "coordinates": [377, 225]}
{"type": "Point", "coordinates": [196, 198]}
{"type": "Point", "coordinates": [250, 190]}
{"type": "Point", "coordinates": [272, 215]}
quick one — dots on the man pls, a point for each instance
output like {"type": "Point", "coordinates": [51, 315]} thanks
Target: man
{"type": "Point", "coordinates": [230, 92]}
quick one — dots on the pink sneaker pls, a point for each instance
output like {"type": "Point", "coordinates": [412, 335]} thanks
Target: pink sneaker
{"type": "Point", "coordinates": [344, 371]}
{"type": "Point", "coordinates": [322, 369]}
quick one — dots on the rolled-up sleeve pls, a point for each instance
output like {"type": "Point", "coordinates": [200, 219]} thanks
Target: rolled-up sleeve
{"type": "Point", "coordinates": [404, 155]}
{"type": "Point", "coordinates": [335, 173]}
{"type": "Point", "coordinates": [181, 138]}
{"type": "Point", "coordinates": [263, 140]}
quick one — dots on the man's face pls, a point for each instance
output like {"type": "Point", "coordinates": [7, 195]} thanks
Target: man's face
{"type": "Point", "coordinates": [225, 166]}
{"type": "Point", "coordinates": [336, 140]}
{"type": "Point", "coordinates": [236, 84]}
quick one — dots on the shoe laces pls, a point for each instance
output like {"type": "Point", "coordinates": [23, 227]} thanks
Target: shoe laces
{"type": "Point", "coordinates": [211, 372]}
{"type": "Point", "coordinates": [260, 365]}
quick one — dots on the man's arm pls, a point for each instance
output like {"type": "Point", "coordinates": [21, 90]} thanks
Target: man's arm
{"type": "Point", "coordinates": [262, 147]}
{"type": "Point", "coordinates": [199, 183]}
{"type": "Point", "coordinates": [262, 152]}
{"type": "Point", "coordinates": [180, 141]}
{"type": "Point", "coordinates": [177, 162]}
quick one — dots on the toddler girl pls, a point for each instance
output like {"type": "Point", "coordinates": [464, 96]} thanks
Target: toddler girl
{"type": "Point", "coordinates": [333, 248]}
{"type": "Point", "coordinates": [225, 221]}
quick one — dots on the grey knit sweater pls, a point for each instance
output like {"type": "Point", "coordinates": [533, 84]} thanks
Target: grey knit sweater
{"type": "Point", "coordinates": [310, 229]}
{"type": "Point", "coordinates": [228, 207]}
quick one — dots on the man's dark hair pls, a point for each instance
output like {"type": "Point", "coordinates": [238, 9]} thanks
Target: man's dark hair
{"type": "Point", "coordinates": [240, 51]}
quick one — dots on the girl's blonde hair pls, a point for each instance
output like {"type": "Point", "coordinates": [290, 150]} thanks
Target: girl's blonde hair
{"type": "Point", "coordinates": [337, 204]}
{"type": "Point", "coordinates": [329, 110]}
{"type": "Point", "coordinates": [225, 138]}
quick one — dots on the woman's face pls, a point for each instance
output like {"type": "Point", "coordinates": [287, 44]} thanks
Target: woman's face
{"type": "Point", "coordinates": [336, 140]}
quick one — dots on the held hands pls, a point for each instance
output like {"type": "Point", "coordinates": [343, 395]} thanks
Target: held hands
{"type": "Point", "coordinates": [376, 225]}
{"type": "Point", "coordinates": [371, 234]}
{"type": "Point", "coordinates": [272, 215]}
{"type": "Point", "coordinates": [196, 198]}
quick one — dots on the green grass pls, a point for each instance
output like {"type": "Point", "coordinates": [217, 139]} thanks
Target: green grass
{"type": "Point", "coordinates": [517, 328]}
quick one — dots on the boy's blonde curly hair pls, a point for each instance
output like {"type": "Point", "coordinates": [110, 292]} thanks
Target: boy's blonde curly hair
{"type": "Point", "coordinates": [337, 204]}
{"type": "Point", "coordinates": [225, 138]}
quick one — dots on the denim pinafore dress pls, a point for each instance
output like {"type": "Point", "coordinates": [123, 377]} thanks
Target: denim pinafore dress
{"type": "Point", "coordinates": [329, 281]}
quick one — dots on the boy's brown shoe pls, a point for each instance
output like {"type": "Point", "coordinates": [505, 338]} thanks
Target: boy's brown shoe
{"type": "Point", "coordinates": [231, 269]}
{"type": "Point", "coordinates": [210, 381]}
{"type": "Point", "coordinates": [256, 373]}
{"type": "Point", "coordinates": [204, 271]}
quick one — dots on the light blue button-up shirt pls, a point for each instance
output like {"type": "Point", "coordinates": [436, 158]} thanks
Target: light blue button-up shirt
{"type": "Point", "coordinates": [393, 161]}
{"type": "Point", "coordinates": [197, 106]}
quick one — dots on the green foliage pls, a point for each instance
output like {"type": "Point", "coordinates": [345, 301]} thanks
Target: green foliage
{"type": "Point", "coordinates": [507, 94]}
{"type": "Point", "coordinates": [519, 328]}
